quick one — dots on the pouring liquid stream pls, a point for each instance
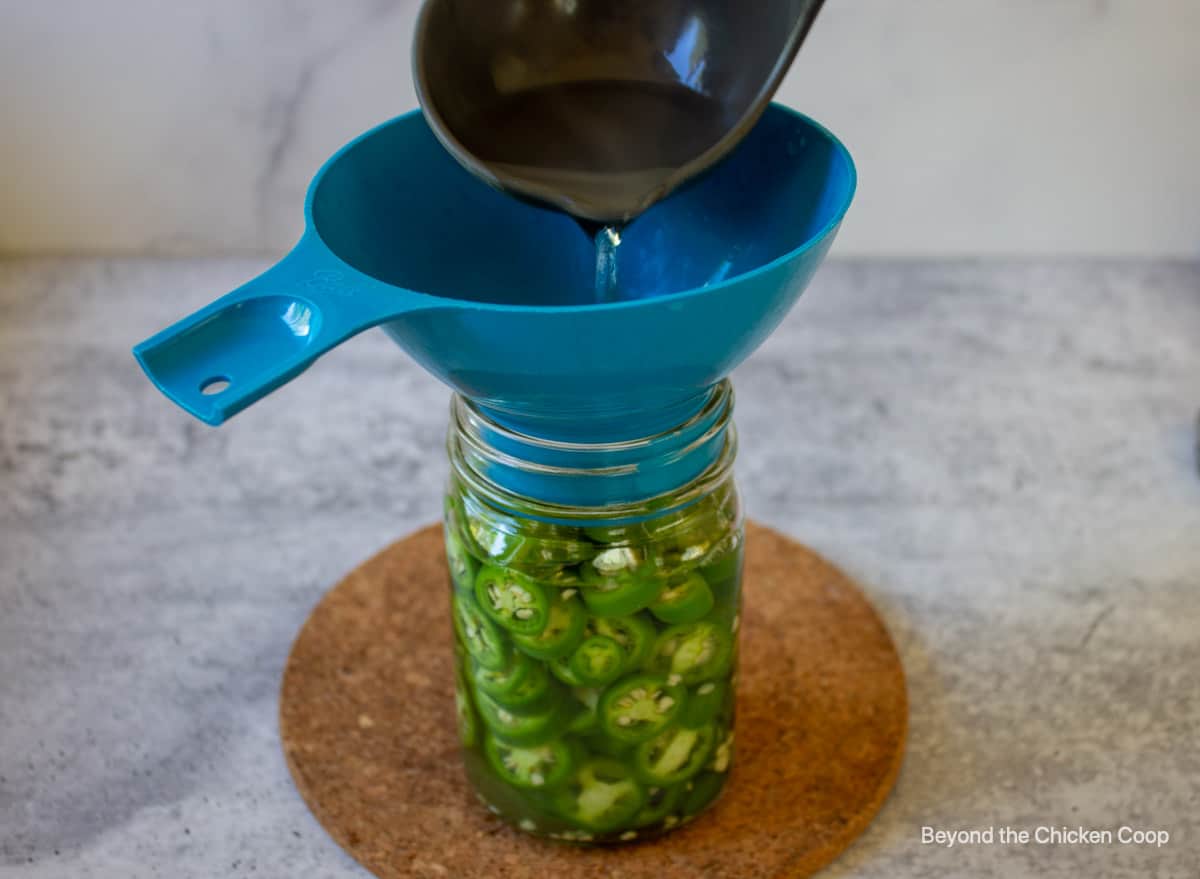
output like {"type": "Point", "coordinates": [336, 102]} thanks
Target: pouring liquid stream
{"type": "Point", "coordinates": [607, 284]}
{"type": "Point", "coordinates": [607, 147]}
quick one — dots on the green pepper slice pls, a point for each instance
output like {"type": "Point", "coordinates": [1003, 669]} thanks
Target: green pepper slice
{"type": "Point", "coordinates": [515, 601]}
{"type": "Point", "coordinates": [690, 533]}
{"type": "Point", "coordinates": [600, 796]}
{"type": "Point", "coordinates": [635, 634]}
{"type": "Point", "coordinates": [499, 682]}
{"type": "Point", "coordinates": [499, 540]}
{"type": "Point", "coordinates": [722, 568]}
{"type": "Point", "coordinates": [723, 755]}
{"type": "Point", "coordinates": [601, 745]}
{"type": "Point", "coordinates": [660, 802]}
{"type": "Point", "coordinates": [563, 632]}
{"type": "Point", "coordinates": [538, 767]}
{"type": "Point", "coordinates": [704, 702]}
{"type": "Point", "coordinates": [693, 652]}
{"type": "Point", "coordinates": [586, 718]}
{"type": "Point", "coordinates": [597, 661]}
{"type": "Point", "coordinates": [640, 707]}
{"type": "Point", "coordinates": [468, 725]}
{"type": "Point", "coordinates": [561, 669]}
{"type": "Point", "coordinates": [673, 755]}
{"type": "Point", "coordinates": [700, 792]}
{"type": "Point", "coordinates": [684, 600]}
{"type": "Point", "coordinates": [533, 692]}
{"type": "Point", "coordinates": [528, 544]}
{"type": "Point", "coordinates": [565, 578]}
{"type": "Point", "coordinates": [618, 582]}
{"type": "Point", "coordinates": [479, 635]}
{"type": "Point", "coordinates": [526, 730]}
{"type": "Point", "coordinates": [628, 533]}
{"type": "Point", "coordinates": [463, 567]}
{"type": "Point", "coordinates": [560, 545]}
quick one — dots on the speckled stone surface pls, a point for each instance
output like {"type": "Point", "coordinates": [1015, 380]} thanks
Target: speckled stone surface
{"type": "Point", "coordinates": [1001, 454]}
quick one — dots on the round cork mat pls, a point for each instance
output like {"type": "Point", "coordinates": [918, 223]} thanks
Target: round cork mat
{"type": "Point", "coordinates": [368, 726]}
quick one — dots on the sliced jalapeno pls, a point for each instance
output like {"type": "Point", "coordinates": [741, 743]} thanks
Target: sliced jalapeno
{"type": "Point", "coordinates": [560, 544]}
{"type": "Point", "coordinates": [673, 755]}
{"type": "Point", "coordinates": [499, 682]}
{"type": "Point", "coordinates": [660, 802]}
{"type": "Point", "coordinates": [561, 669]}
{"type": "Point", "coordinates": [722, 568]}
{"type": "Point", "coordinates": [563, 632]}
{"type": "Point", "coordinates": [690, 533]}
{"type": "Point", "coordinates": [640, 707]}
{"type": "Point", "coordinates": [600, 796]}
{"type": "Point", "coordinates": [602, 745]}
{"type": "Point", "coordinates": [515, 601]}
{"type": "Point", "coordinates": [628, 533]}
{"type": "Point", "coordinates": [525, 730]}
{"type": "Point", "coordinates": [532, 693]}
{"type": "Point", "coordinates": [499, 540]}
{"type": "Point", "coordinates": [481, 637]}
{"type": "Point", "coordinates": [539, 767]}
{"type": "Point", "coordinates": [468, 725]}
{"type": "Point", "coordinates": [565, 578]}
{"type": "Point", "coordinates": [586, 718]}
{"type": "Point", "coordinates": [684, 600]}
{"type": "Point", "coordinates": [694, 652]}
{"type": "Point", "coordinates": [700, 792]}
{"type": "Point", "coordinates": [723, 755]}
{"type": "Point", "coordinates": [597, 661]}
{"type": "Point", "coordinates": [463, 567]}
{"type": "Point", "coordinates": [619, 581]}
{"type": "Point", "coordinates": [635, 634]}
{"type": "Point", "coordinates": [528, 543]}
{"type": "Point", "coordinates": [704, 702]}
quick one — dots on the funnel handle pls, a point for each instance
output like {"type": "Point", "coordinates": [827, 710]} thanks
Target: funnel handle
{"type": "Point", "coordinates": [236, 350]}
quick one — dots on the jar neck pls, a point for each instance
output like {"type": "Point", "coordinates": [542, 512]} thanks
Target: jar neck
{"type": "Point", "coordinates": [607, 480]}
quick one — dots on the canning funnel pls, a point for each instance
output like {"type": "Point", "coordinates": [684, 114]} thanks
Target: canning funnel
{"type": "Point", "coordinates": [494, 295]}
{"type": "Point", "coordinates": [600, 107]}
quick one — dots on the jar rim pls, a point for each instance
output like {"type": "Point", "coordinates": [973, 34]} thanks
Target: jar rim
{"type": "Point", "coordinates": [468, 440]}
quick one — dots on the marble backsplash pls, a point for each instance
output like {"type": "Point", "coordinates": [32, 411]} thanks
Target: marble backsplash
{"type": "Point", "coordinates": [1023, 126]}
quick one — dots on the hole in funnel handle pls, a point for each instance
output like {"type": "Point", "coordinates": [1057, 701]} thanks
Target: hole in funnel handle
{"type": "Point", "coordinates": [213, 386]}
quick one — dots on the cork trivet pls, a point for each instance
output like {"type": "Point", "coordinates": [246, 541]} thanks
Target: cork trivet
{"type": "Point", "coordinates": [368, 726]}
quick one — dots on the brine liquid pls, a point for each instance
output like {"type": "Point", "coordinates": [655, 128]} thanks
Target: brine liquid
{"type": "Point", "coordinates": [607, 147]}
{"type": "Point", "coordinates": [607, 284]}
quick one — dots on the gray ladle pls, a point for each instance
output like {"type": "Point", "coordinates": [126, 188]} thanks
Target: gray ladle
{"type": "Point", "coordinates": [474, 58]}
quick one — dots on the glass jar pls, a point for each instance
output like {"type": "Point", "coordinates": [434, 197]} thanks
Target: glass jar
{"type": "Point", "coordinates": [595, 635]}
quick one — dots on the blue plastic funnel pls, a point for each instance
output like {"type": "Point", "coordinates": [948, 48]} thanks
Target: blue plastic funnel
{"type": "Point", "coordinates": [491, 295]}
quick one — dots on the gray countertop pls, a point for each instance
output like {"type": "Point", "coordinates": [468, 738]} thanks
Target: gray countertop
{"type": "Point", "coordinates": [1003, 453]}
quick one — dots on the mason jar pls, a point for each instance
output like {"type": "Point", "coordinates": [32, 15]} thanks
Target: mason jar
{"type": "Point", "coordinates": [595, 595]}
